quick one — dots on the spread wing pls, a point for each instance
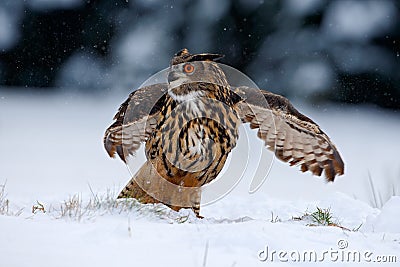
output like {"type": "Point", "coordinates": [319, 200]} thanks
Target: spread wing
{"type": "Point", "coordinates": [135, 120]}
{"type": "Point", "coordinates": [293, 137]}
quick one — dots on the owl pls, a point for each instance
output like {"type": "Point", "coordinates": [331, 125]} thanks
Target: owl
{"type": "Point", "coordinates": [189, 125]}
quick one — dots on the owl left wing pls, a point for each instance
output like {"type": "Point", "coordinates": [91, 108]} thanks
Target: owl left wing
{"type": "Point", "coordinates": [292, 136]}
{"type": "Point", "coordinates": [135, 120]}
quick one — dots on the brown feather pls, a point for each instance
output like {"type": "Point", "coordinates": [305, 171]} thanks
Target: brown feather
{"type": "Point", "coordinates": [134, 121]}
{"type": "Point", "coordinates": [293, 137]}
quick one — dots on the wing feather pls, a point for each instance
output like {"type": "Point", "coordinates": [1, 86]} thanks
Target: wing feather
{"type": "Point", "coordinates": [135, 121]}
{"type": "Point", "coordinates": [292, 136]}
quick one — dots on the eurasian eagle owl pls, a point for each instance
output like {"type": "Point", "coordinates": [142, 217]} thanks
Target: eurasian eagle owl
{"type": "Point", "coordinates": [190, 125]}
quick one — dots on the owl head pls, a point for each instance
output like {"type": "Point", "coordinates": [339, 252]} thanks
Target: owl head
{"type": "Point", "coordinates": [187, 71]}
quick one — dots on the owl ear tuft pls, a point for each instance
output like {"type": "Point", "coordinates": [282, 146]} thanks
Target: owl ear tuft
{"type": "Point", "coordinates": [184, 55]}
{"type": "Point", "coordinates": [206, 57]}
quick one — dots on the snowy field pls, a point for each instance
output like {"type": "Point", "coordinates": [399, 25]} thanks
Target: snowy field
{"type": "Point", "coordinates": [52, 155]}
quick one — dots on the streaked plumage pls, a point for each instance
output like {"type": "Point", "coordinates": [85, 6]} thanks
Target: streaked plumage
{"type": "Point", "coordinates": [190, 125]}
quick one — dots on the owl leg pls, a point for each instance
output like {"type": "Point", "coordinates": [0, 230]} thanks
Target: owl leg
{"type": "Point", "coordinates": [193, 197]}
{"type": "Point", "coordinates": [196, 207]}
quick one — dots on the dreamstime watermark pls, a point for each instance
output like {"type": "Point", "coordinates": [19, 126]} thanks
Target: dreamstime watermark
{"type": "Point", "coordinates": [339, 254]}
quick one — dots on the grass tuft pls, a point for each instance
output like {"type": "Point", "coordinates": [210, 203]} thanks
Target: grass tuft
{"type": "Point", "coordinates": [5, 204]}
{"type": "Point", "coordinates": [79, 209]}
{"type": "Point", "coordinates": [38, 207]}
{"type": "Point", "coordinates": [321, 217]}
{"type": "Point", "coordinates": [75, 208]}
{"type": "Point", "coordinates": [274, 219]}
{"type": "Point", "coordinates": [378, 195]}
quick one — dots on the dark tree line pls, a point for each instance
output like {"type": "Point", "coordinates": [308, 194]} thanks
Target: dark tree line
{"type": "Point", "coordinates": [269, 40]}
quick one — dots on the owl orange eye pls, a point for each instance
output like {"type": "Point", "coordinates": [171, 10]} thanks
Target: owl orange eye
{"type": "Point", "coordinates": [188, 68]}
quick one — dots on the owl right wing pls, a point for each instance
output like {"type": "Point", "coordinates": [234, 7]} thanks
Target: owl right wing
{"type": "Point", "coordinates": [135, 120]}
{"type": "Point", "coordinates": [292, 136]}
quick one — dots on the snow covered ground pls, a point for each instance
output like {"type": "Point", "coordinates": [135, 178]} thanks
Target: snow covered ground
{"type": "Point", "coordinates": [52, 150]}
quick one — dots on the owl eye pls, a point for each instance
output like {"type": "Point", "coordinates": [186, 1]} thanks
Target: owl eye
{"type": "Point", "coordinates": [188, 68]}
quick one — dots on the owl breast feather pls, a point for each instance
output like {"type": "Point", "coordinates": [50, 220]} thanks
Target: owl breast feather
{"type": "Point", "coordinates": [195, 137]}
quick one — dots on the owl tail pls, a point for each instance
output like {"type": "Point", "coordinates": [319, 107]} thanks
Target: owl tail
{"type": "Point", "coordinates": [148, 180]}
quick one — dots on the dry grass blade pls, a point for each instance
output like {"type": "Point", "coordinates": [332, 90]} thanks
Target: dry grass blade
{"type": "Point", "coordinates": [5, 204]}
{"type": "Point", "coordinates": [75, 208]}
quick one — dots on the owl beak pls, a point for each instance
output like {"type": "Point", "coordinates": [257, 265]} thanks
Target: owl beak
{"type": "Point", "coordinates": [172, 76]}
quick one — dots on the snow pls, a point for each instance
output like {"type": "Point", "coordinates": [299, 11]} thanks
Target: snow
{"type": "Point", "coordinates": [283, 53]}
{"type": "Point", "coordinates": [214, 12]}
{"type": "Point", "coordinates": [359, 20]}
{"type": "Point", "coordinates": [139, 45]}
{"type": "Point", "coordinates": [250, 5]}
{"type": "Point", "coordinates": [145, 3]}
{"type": "Point", "coordinates": [83, 71]}
{"type": "Point", "coordinates": [9, 28]}
{"type": "Point", "coordinates": [137, 53]}
{"type": "Point", "coordinates": [198, 35]}
{"type": "Point", "coordinates": [304, 7]}
{"type": "Point", "coordinates": [388, 219]}
{"type": "Point", "coordinates": [363, 58]}
{"type": "Point", "coordinates": [52, 149]}
{"type": "Point", "coordinates": [312, 77]}
{"type": "Point", "coordinates": [343, 42]}
{"type": "Point", "coordinates": [54, 4]}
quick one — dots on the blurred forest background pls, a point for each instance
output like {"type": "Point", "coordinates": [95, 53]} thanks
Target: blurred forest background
{"type": "Point", "coordinates": [315, 50]}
